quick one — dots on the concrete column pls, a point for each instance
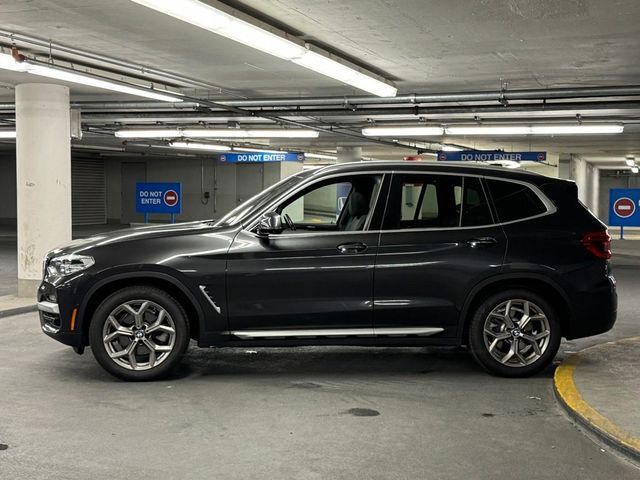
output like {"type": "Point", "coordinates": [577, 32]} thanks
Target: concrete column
{"type": "Point", "coordinates": [43, 177]}
{"type": "Point", "coordinates": [594, 189]}
{"type": "Point", "coordinates": [579, 174]}
{"type": "Point", "coordinates": [349, 154]}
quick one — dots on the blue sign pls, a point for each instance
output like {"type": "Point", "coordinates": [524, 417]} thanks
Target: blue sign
{"type": "Point", "coordinates": [159, 198]}
{"type": "Point", "coordinates": [261, 157]}
{"type": "Point", "coordinates": [488, 156]}
{"type": "Point", "coordinates": [624, 207]}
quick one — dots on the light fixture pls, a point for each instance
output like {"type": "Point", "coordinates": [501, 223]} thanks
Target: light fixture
{"type": "Point", "coordinates": [334, 69]}
{"type": "Point", "coordinates": [217, 133]}
{"type": "Point", "coordinates": [200, 146]}
{"type": "Point", "coordinates": [255, 150]}
{"type": "Point", "coordinates": [630, 161]}
{"type": "Point", "coordinates": [402, 131]}
{"type": "Point", "coordinates": [149, 133]}
{"type": "Point", "coordinates": [451, 148]}
{"type": "Point", "coordinates": [267, 39]}
{"type": "Point", "coordinates": [535, 129]}
{"type": "Point", "coordinates": [7, 62]}
{"type": "Point", "coordinates": [321, 156]}
{"type": "Point", "coordinates": [7, 134]}
{"type": "Point", "coordinates": [635, 169]}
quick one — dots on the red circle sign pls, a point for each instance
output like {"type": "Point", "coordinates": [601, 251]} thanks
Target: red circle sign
{"type": "Point", "coordinates": [170, 198]}
{"type": "Point", "coordinates": [624, 207]}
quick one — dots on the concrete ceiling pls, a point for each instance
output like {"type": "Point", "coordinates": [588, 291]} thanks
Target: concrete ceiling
{"type": "Point", "coordinates": [423, 45]}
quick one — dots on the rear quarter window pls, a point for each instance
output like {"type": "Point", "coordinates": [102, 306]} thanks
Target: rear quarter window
{"type": "Point", "coordinates": [514, 201]}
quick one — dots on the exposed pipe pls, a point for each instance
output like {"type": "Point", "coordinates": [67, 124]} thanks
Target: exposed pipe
{"type": "Point", "coordinates": [494, 95]}
{"type": "Point", "coordinates": [49, 45]}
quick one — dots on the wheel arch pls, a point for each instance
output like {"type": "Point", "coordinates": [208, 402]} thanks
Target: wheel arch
{"type": "Point", "coordinates": [535, 282]}
{"type": "Point", "coordinates": [166, 282]}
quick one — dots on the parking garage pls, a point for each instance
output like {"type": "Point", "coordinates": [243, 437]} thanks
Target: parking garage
{"type": "Point", "coordinates": [263, 131]}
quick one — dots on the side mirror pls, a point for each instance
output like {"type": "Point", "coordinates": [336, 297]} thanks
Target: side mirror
{"type": "Point", "coordinates": [270, 223]}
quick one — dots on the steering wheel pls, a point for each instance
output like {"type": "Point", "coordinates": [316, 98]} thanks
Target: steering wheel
{"type": "Point", "coordinates": [288, 221]}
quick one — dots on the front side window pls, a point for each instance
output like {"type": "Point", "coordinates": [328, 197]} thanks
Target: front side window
{"type": "Point", "coordinates": [339, 204]}
{"type": "Point", "coordinates": [514, 201]}
{"type": "Point", "coordinates": [436, 201]}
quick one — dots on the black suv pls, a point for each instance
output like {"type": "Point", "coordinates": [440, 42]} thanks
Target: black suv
{"type": "Point", "coordinates": [371, 253]}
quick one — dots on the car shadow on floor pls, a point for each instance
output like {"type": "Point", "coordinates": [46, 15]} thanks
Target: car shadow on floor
{"type": "Point", "coordinates": [307, 362]}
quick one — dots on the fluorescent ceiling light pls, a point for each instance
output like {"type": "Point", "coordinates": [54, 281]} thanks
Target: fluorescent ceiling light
{"type": "Point", "coordinates": [451, 148]}
{"type": "Point", "coordinates": [331, 68]}
{"type": "Point", "coordinates": [630, 162]}
{"type": "Point", "coordinates": [200, 146]}
{"type": "Point", "coordinates": [66, 75]}
{"type": "Point", "coordinates": [7, 134]}
{"type": "Point", "coordinates": [402, 131]}
{"type": "Point", "coordinates": [256, 150]}
{"type": "Point", "coordinates": [219, 22]}
{"type": "Point", "coordinates": [151, 133]}
{"type": "Point", "coordinates": [322, 156]}
{"type": "Point", "coordinates": [487, 130]}
{"type": "Point", "coordinates": [534, 129]}
{"type": "Point", "coordinates": [249, 133]}
{"type": "Point", "coordinates": [264, 39]}
{"type": "Point", "coordinates": [217, 133]}
{"type": "Point", "coordinates": [635, 169]}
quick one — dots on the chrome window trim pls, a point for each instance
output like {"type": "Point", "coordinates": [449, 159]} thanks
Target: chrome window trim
{"type": "Point", "coordinates": [309, 182]}
{"type": "Point", "coordinates": [550, 206]}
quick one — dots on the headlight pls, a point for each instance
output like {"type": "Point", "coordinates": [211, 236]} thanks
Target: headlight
{"type": "Point", "coordinates": [68, 264]}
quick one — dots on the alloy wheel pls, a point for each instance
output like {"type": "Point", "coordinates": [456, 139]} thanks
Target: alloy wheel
{"type": "Point", "coordinates": [516, 333]}
{"type": "Point", "coordinates": [139, 335]}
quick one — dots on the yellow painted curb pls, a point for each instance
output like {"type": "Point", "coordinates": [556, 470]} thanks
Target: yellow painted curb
{"type": "Point", "coordinates": [572, 400]}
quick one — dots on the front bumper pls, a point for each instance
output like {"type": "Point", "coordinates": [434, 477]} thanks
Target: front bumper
{"type": "Point", "coordinates": [57, 318]}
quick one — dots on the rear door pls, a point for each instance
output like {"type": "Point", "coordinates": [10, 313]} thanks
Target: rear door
{"type": "Point", "coordinates": [438, 240]}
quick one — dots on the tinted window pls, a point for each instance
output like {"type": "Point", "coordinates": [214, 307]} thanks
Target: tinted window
{"type": "Point", "coordinates": [514, 201]}
{"type": "Point", "coordinates": [341, 204]}
{"type": "Point", "coordinates": [475, 210]}
{"type": "Point", "coordinates": [424, 201]}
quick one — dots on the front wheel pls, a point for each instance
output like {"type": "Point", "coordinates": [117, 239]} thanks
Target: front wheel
{"type": "Point", "coordinates": [139, 333]}
{"type": "Point", "coordinates": [514, 333]}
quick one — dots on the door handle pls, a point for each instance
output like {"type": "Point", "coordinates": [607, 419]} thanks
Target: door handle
{"type": "Point", "coordinates": [355, 247]}
{"type": "Point", "coordinates": [482, 242]}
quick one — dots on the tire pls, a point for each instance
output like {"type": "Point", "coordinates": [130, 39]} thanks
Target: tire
{"type": "Point", "coordinates": [501, 346]}
{"type": "Point", "coordinates": [147, 332]}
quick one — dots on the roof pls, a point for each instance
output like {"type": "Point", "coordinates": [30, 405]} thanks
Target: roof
{"type": "Point", "coordinates": [453, 167]}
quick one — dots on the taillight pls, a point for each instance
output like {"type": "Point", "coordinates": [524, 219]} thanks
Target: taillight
{"type": "Point", "coordinates": [598, 243]}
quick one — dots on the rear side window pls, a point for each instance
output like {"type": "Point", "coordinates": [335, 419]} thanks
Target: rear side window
{"type": "Point", "coordinates": [514, 201]}
{"type": "Point", "coordinates": [436, 201]}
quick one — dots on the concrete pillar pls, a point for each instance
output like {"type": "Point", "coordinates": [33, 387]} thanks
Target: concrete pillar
{"type": "Point", "coordinates": [579, 174]}
{"type": "Point", "coordinates": [594, 189]}
{"type": "Point", "coordinates": [43, 177]}
{"type": "Point", "coordinates": [349, 154]}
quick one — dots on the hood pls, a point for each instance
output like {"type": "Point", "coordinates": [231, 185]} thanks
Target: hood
{"type": "Point", "coordinates": [136, 233]}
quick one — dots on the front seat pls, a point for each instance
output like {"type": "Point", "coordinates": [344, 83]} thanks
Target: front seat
{"type": "Point", "coordinates": [357, 210]}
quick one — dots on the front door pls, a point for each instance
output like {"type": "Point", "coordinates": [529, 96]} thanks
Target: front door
{"type": "Point", "coordinates": [438, 241]}
{"type": "Point", "coordinates": [318, 272]}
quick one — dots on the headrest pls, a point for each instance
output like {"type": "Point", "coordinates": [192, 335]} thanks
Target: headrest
{"type": "Point", "coordinates": [358, 204]}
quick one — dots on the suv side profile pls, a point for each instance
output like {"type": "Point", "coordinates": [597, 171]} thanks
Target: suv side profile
{"type": "Point", "coordinates": [371, 253]}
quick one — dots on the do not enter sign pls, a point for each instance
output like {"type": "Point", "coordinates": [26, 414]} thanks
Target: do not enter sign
{"type": "Point", "coordinates": [170, 198]}
{"type": "Point", "coordinates": [624, 207]}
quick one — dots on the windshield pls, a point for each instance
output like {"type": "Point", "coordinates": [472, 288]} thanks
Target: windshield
{"type": "Point", "coordinates": [245, 209]}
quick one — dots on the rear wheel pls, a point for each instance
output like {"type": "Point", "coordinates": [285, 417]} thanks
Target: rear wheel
{"type": "Point", "coordinates": [139, 333]}
{"type": "Point", "coordinates": [515, 333]}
